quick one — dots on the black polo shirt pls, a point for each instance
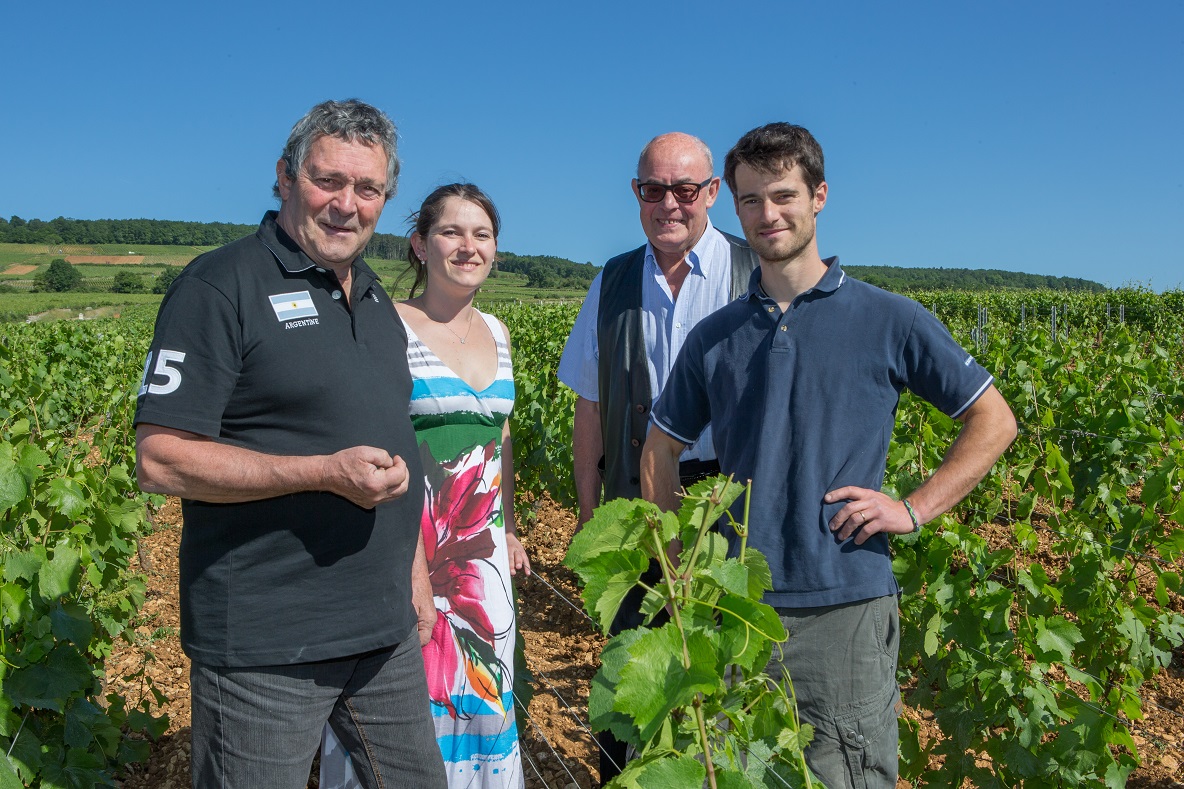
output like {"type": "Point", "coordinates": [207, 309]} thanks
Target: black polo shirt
{"type": "Point", "coordinates": [255, 347]}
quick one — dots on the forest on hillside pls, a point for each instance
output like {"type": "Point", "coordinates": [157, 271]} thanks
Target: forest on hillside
{"type": "Point", "coordinates": [541, 271]}
{"type": "Point", "coordinates": [899, 278]}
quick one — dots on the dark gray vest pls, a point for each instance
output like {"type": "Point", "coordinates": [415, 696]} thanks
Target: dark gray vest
{"type": "Point", "coordinates": [624, 380]}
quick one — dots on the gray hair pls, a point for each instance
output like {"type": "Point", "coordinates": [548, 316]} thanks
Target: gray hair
{"type": "Point", "coordinates": [350, 120]}
{"type": "Point", "coordinates": [663, 139]}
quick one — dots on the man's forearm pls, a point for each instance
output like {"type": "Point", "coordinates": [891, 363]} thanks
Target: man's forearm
{"type": "Point", "coordinates": [196, 467]}
{"type": "Point", "coordinates": [587, 449]}
{"type": "Point", "coordinates": [659, 469]}
{"type": "Point", "coordinates": [206, 470]}
{"type": "Point", "coordinates": [988, 429]}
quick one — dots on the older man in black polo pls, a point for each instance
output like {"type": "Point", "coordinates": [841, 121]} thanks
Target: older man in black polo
{"type": "Point", "coordinates": [274, 403]}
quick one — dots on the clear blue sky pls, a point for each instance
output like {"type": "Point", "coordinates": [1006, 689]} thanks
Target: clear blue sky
{"type": "Point", "coordinates": [1045, 137]}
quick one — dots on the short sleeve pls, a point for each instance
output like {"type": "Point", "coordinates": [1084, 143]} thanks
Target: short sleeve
{"type": "Point", "coordinates": [683, 410]}
{"type": "Point", "coordinates": [194, 360]}
{"type": "Point", "coordinates": [940, 370]}
{"type": "Point", "coordinates": [579, 366]}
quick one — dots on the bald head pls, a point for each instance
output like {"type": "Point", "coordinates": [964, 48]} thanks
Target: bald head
{"type": "Point", "coordinates": [673, 227]}
{"type": "Point", "coordinates": [675, 145]}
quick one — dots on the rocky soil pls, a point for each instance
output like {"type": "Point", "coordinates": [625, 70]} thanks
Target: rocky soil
{"type": "Point", "coordinates": [562, 649]}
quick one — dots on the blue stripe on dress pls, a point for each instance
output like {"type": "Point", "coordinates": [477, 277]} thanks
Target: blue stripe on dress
{"type": "Point", "coordinates": [478, 747]}
{"type": "Point", "coordinates": [502, 389]}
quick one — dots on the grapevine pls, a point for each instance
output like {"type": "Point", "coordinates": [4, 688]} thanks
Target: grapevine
{"type": "Point", "coordinates": [1033, 617]}
{"type": "Point", "coordinates": [662, 688]}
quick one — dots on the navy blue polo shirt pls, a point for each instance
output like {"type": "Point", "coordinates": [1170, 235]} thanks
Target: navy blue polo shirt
{"type": "Point", "coordinates": [255, 347]}
{"type": "Point", "coordinates": [805, 402]}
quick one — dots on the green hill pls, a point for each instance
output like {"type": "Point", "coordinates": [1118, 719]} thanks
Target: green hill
{"type": "Point", "coordinates": [159, 242]}
{"type": "Point", "coordinates": [899, 278]}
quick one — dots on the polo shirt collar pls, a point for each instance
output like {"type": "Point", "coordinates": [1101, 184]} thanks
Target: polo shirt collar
{"type": "Point", "coordinates": [830, 282]}
{"type": "Point", "coordinates": [292, 257]}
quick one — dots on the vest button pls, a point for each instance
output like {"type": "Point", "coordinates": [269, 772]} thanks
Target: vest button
{"type": "Point", "coordinates": [640, 408]}
{"type": "Point", "coordinates": [634, 481]}
{"type": "Point", "coordinates": [635, 442]}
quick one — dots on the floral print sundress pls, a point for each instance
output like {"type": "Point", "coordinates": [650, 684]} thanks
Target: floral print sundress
{"type": "Point", "coordinates": [470, 659]}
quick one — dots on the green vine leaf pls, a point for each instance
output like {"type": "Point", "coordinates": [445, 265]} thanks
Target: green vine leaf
{"type": "Point", "coordinates": [59, 575]}
{"type": "Point", "coordinates": [610, 577]}
{"type": "Point", "coordinates": [746, 626]}
{"type": "Point", "coordinates": [760, 577]}
{"type": "Point", "coordinates": [661, 773]}
{"type": "Point", "coordinates": [731, 576]}
{"type": "Point", "coordinates": [67, 497]}
{"type": "Point", "coordinates": [706, 502]}
{"type": "Point", "coordinates": [12, 601]}
{"type": "Point", "coordinates": [47, 685]}
{"type": "Point", "coordinates": [32, 458]}
{"type": "Point", "coordinates": [71, 623]}
{"type": "Point", "coordinates": [8, 776]}
{"type": "Point", "coordinates": [620, 525]}
{"type": "Point", "coordinates": [654, 680]}
{"type": "Point", "coordinates": [13, 487]}
{"type": "Point", "coordinates": [24, 565]}
{"type": "Point", "coordinates": [601, 714]}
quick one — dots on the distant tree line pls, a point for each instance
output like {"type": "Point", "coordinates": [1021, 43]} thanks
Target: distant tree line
{"type": "Point", "coordinates": [547, 271]}
{"type": "Point", "coordinates": [897, 279]}
{"type": "Point", "coordinates": [386, 246]}
{"type": "Point", "coordinates": [541, 271]}
{"type": "Point", "coordinates": [120, 231]}
{"type": "Point", "coordinates": [157, 231]}
{"type": "Point", "coordinates": [59, 277]}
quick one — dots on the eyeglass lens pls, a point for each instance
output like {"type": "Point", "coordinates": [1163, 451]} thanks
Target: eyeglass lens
{"type": "Point", "coordinates": [683, 193]}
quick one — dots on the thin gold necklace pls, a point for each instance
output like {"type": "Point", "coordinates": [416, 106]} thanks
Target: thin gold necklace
{"type": "Point", "coordinates": [469, 325]}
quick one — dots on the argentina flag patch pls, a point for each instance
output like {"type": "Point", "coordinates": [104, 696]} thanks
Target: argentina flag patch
{"type": "Point", "coordinates": [289, 306]}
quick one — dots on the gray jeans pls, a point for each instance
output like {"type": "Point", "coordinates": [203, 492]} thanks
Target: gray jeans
{"type": "Point", "coordinates": [259, 728]}
{"type": "Point", "coordinates": [842, 661]}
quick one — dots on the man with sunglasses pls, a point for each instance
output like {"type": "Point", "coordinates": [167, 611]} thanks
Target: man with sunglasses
{"type": "Point", "coordinates": [631, 326]}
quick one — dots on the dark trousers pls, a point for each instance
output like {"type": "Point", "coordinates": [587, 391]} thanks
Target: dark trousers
{"type": "Point", "coordinates": [612, 750]}
{"type": "Point", "coordinates": [260, 727]}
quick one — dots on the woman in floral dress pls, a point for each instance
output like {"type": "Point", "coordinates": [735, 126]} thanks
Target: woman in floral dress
{"type": "Point", "coordinates": [462, 395]}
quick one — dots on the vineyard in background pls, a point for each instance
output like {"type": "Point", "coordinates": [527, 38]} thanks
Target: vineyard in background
{"type": "Point", "coordinates": [1033, 614]}
{"type": "Point", "coordinates": [70, 518]}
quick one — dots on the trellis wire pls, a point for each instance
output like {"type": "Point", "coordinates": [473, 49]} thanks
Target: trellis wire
{"type": "Point", "coordinates": [535, 767]}
{"type": "Point", "coordinates": [559, 594]}
{"type": "Point", "coordinates": [586, 727]}
{"type": "Point", "coordinates": [1077, 433]}
{"type": "Point", "coordinates": [547, 742]}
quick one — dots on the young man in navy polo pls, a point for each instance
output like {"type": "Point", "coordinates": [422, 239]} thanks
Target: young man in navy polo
{"type": "Point", "coordinates": [800, 380]}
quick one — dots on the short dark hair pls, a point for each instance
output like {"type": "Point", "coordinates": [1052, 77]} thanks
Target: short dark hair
{"type": "Point", "coordinates": [773, 148]}
{"type": "Point", "coordinates": [421, 221]}
{"type": "Point", "coordinates": [350, 120]}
